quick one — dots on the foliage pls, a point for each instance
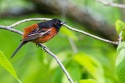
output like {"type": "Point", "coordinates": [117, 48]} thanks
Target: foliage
{"type": "Point", "coordinates": [91, 65]}
{"type": "Point", "coordinates": [120, 60]}
{"type": "Point", "coordinates": [120, 28]}
{"type": "Point", "coordinates": [88, 81]}
{"type": "Point", "coordinates": [120, 67]}
{"type": "Point", "coordinates": [8, 66]}
{"type": "Point", "coordinates": [94, 62]}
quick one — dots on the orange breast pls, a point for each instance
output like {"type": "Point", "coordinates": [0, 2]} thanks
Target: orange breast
{"type": "Point", "coordinates": [47, 37]}
{"type": "Point", "coordinates": [43, 39]}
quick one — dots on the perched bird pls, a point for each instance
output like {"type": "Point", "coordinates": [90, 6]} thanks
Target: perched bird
{"type": "Point", "coordinates": [40, 32]}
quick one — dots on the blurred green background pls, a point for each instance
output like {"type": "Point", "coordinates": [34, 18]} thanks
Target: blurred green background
{"type": "Point", "coordinates": [87, 60]}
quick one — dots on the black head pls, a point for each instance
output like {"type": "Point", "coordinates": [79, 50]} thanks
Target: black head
{"type": "Point", "coordinates": [57, 23]}
{"type": "Point", "coordinates": [52, 23]}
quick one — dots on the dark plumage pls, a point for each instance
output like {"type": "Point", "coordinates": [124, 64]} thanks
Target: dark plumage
{"type": "Point", "coordinates": [33, 32]}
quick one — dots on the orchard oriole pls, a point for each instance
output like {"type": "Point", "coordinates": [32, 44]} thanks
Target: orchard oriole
{"type": "Point", "coordinates": [40, 32]}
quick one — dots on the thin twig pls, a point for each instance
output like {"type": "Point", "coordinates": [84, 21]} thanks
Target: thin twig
{"type": "Point", "coordinates": [58, 61]}
{"type": "Point", "coordinates": [69, 27]}
{"type": "Point", "coordinates": [10, 29]}
{"type": "Point", "coordinates": [30, 19]}
{"type": "Point", "coordinates": [120, 37]}
{"type": "Point", "coordinates": [88, 34]}
{"type": "Point", "coordinates": [112, 4]}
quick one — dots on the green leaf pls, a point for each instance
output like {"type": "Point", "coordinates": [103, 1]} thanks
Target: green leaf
{"type": "Point", "coordinates": [119, 26]}
{"type": "Point", "coordinates": [8, 66]}
{"type": "Point", "coordinates": [68, 33]}
{"type": "Point", "coordinates": [120, 62]}
{"type": "Point", "coordinates": [88, 81]}
{"type": "Point", "coordinates": [120, 47]}
{"type": "Point", "coordinates": [64, 79]}
{"type": "Point", "coordinates": [91, 65]}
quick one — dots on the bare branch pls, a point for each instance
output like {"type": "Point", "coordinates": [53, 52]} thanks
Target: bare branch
{"type": "Point", "coordinates": [120, 37]}
{"type": "Point", "coordinates": [88, 34]}
{"type": "Point", "coordinates": [58, 61]}
{"type": "Point", "coordinates": [10, 29]}
{"type": "Point", "coordinates": [30, 19]}
{"type": "Point", "coordinates": [111, 4]}
{"type": "Point", "coordinates": [69, 27]}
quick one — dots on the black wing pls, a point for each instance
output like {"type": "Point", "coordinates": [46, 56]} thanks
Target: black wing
{"type": "Point", "coordinates": [36, 34]}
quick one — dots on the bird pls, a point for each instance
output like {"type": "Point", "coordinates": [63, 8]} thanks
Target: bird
{"type": "Point", "coordinates": [40, 32]}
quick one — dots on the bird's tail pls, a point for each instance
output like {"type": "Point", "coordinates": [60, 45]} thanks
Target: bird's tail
{"type": "Point", "coordinates": [22, 43]}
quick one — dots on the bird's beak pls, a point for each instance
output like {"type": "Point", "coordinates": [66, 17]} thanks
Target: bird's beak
{"type": "Point", "coordinates": [63, 23]}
